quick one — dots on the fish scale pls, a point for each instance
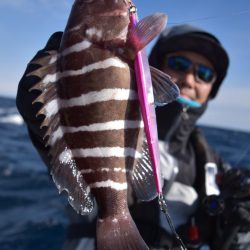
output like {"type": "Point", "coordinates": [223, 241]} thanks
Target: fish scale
{"type": "Point", "coordinates": [93, 119]}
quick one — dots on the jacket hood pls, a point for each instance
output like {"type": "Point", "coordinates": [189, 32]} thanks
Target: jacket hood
{"type": "Point", "coordinates": [190, 38]}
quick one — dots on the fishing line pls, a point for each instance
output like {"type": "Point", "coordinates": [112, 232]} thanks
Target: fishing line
{"type": "Point", "coordinates": [243, 12]}
{"type": "Point", "coordinates": [164, 208]}
{"type": "Point", "coordinates": [243, 154]}
{"type": "Point", "coordinates": [144, 85]}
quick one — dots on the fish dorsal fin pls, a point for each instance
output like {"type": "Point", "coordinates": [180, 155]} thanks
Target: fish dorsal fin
{"type": "Point", "coordinates": [165, 90]}
{"type": "Point", "coordinates": [142, 177]}
{"type": "Point", "coordinates": [50, 58]}
{"type": "Point", "coordinates": [146, 30]}
{"type": "Point", "coordinates": [48, 66]}
{"type": "Point", "coordinates": [63, 169]}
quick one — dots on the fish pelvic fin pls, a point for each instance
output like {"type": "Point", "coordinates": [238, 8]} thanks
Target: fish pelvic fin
{"type": "Point", "coordinates": [146, 30]}
{"type": "Point", "coordinates": [119, 232]}
{"type": "Point", "coordinates": [142, 176]}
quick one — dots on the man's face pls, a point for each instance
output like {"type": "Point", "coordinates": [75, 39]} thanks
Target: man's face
{"type": "Point", "coordinates": [193, 74]}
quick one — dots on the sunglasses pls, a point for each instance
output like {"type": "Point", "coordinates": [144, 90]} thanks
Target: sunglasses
{"type": "Point", "coordinates": [182, 64]}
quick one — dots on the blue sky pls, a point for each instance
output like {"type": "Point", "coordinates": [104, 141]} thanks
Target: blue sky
{"type": "Point", "coordinates": [25, 26]}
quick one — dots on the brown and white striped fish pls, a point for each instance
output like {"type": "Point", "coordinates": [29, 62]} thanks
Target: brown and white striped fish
{"type": "Point", "coordinates": [94, 126]}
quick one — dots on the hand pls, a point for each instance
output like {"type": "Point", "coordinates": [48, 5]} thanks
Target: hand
{"type": "Point", "coordinates": [25, 98]}
{"type": "Point", "coordinates": [235, 189]}
{"type": "Point", "coordinates": [235, 183]}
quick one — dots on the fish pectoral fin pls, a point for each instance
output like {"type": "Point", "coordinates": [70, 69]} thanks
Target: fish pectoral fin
{"type": "Point", "coordinates": [142, 177]}
{"type": "Point", "coordinates": [146, 30]}
{"type": "Point", "coordinates": [165, 90]}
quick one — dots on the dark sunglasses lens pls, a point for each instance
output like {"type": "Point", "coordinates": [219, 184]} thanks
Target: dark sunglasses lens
{"type": "Point", "coordinates": [205, 74]}
{"type": "Point", "coordinates": [179, 63]}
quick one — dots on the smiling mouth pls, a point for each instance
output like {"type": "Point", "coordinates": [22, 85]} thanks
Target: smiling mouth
{"type": "Point", "coordinates": [187, 96]}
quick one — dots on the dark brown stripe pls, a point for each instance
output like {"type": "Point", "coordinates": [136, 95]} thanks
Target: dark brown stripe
{"type": "Point", "coordinates": [96, 80]}
{"type": "Point", "coordinates": [114, 138]}
{"type": "Point", "coordinates": [92, 162]}
{"type": "Point", "coordinates": [100, 112]}
{"type": "Point", "coordinates": [104, 176]}
{"type": "Point", "coordinates": [107, 162]}
{"type": "Point", "coordinates": [78, 60]}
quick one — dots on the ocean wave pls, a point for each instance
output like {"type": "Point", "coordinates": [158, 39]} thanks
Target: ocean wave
{"type": "Point", "coordinates": [15, 119]}
{"type": "Point", "coordinates": [11, 110]}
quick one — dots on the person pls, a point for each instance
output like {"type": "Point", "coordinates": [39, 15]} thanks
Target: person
{"type": "Point", "coordinates": [207, 199]}
{"type": "Point", "coordinates": [206, 211]}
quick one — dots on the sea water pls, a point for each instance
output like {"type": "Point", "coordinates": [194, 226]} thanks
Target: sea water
{"type": "Point", "coordinates": [32, 214]}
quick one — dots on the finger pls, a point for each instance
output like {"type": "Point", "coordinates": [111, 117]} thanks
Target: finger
{"type": "Point", "coordinates": [244, 215]}
{"type": "Point", "coordinates": [54, 41]}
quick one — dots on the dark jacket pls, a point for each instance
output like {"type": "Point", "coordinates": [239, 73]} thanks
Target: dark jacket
{"type": "Point", "coordinates": [188, 146]}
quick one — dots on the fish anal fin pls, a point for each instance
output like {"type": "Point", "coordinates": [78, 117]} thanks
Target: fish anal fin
{"type": "Point", "coordinates": [68, 178]}
{"type": "Point", "coordinates": [165, 90]}
{"type": "Point", "coordinates": [146, 30]}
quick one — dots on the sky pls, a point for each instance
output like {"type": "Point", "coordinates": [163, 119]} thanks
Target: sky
{"type": "Point", "coordinates": [25, 26]}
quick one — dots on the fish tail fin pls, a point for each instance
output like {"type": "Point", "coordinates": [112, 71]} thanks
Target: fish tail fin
{"type": "Point", "coordinates": [120, 233]}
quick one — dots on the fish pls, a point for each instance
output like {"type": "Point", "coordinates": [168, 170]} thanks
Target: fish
{"type": "Point", "coordinates": [92, 116]}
